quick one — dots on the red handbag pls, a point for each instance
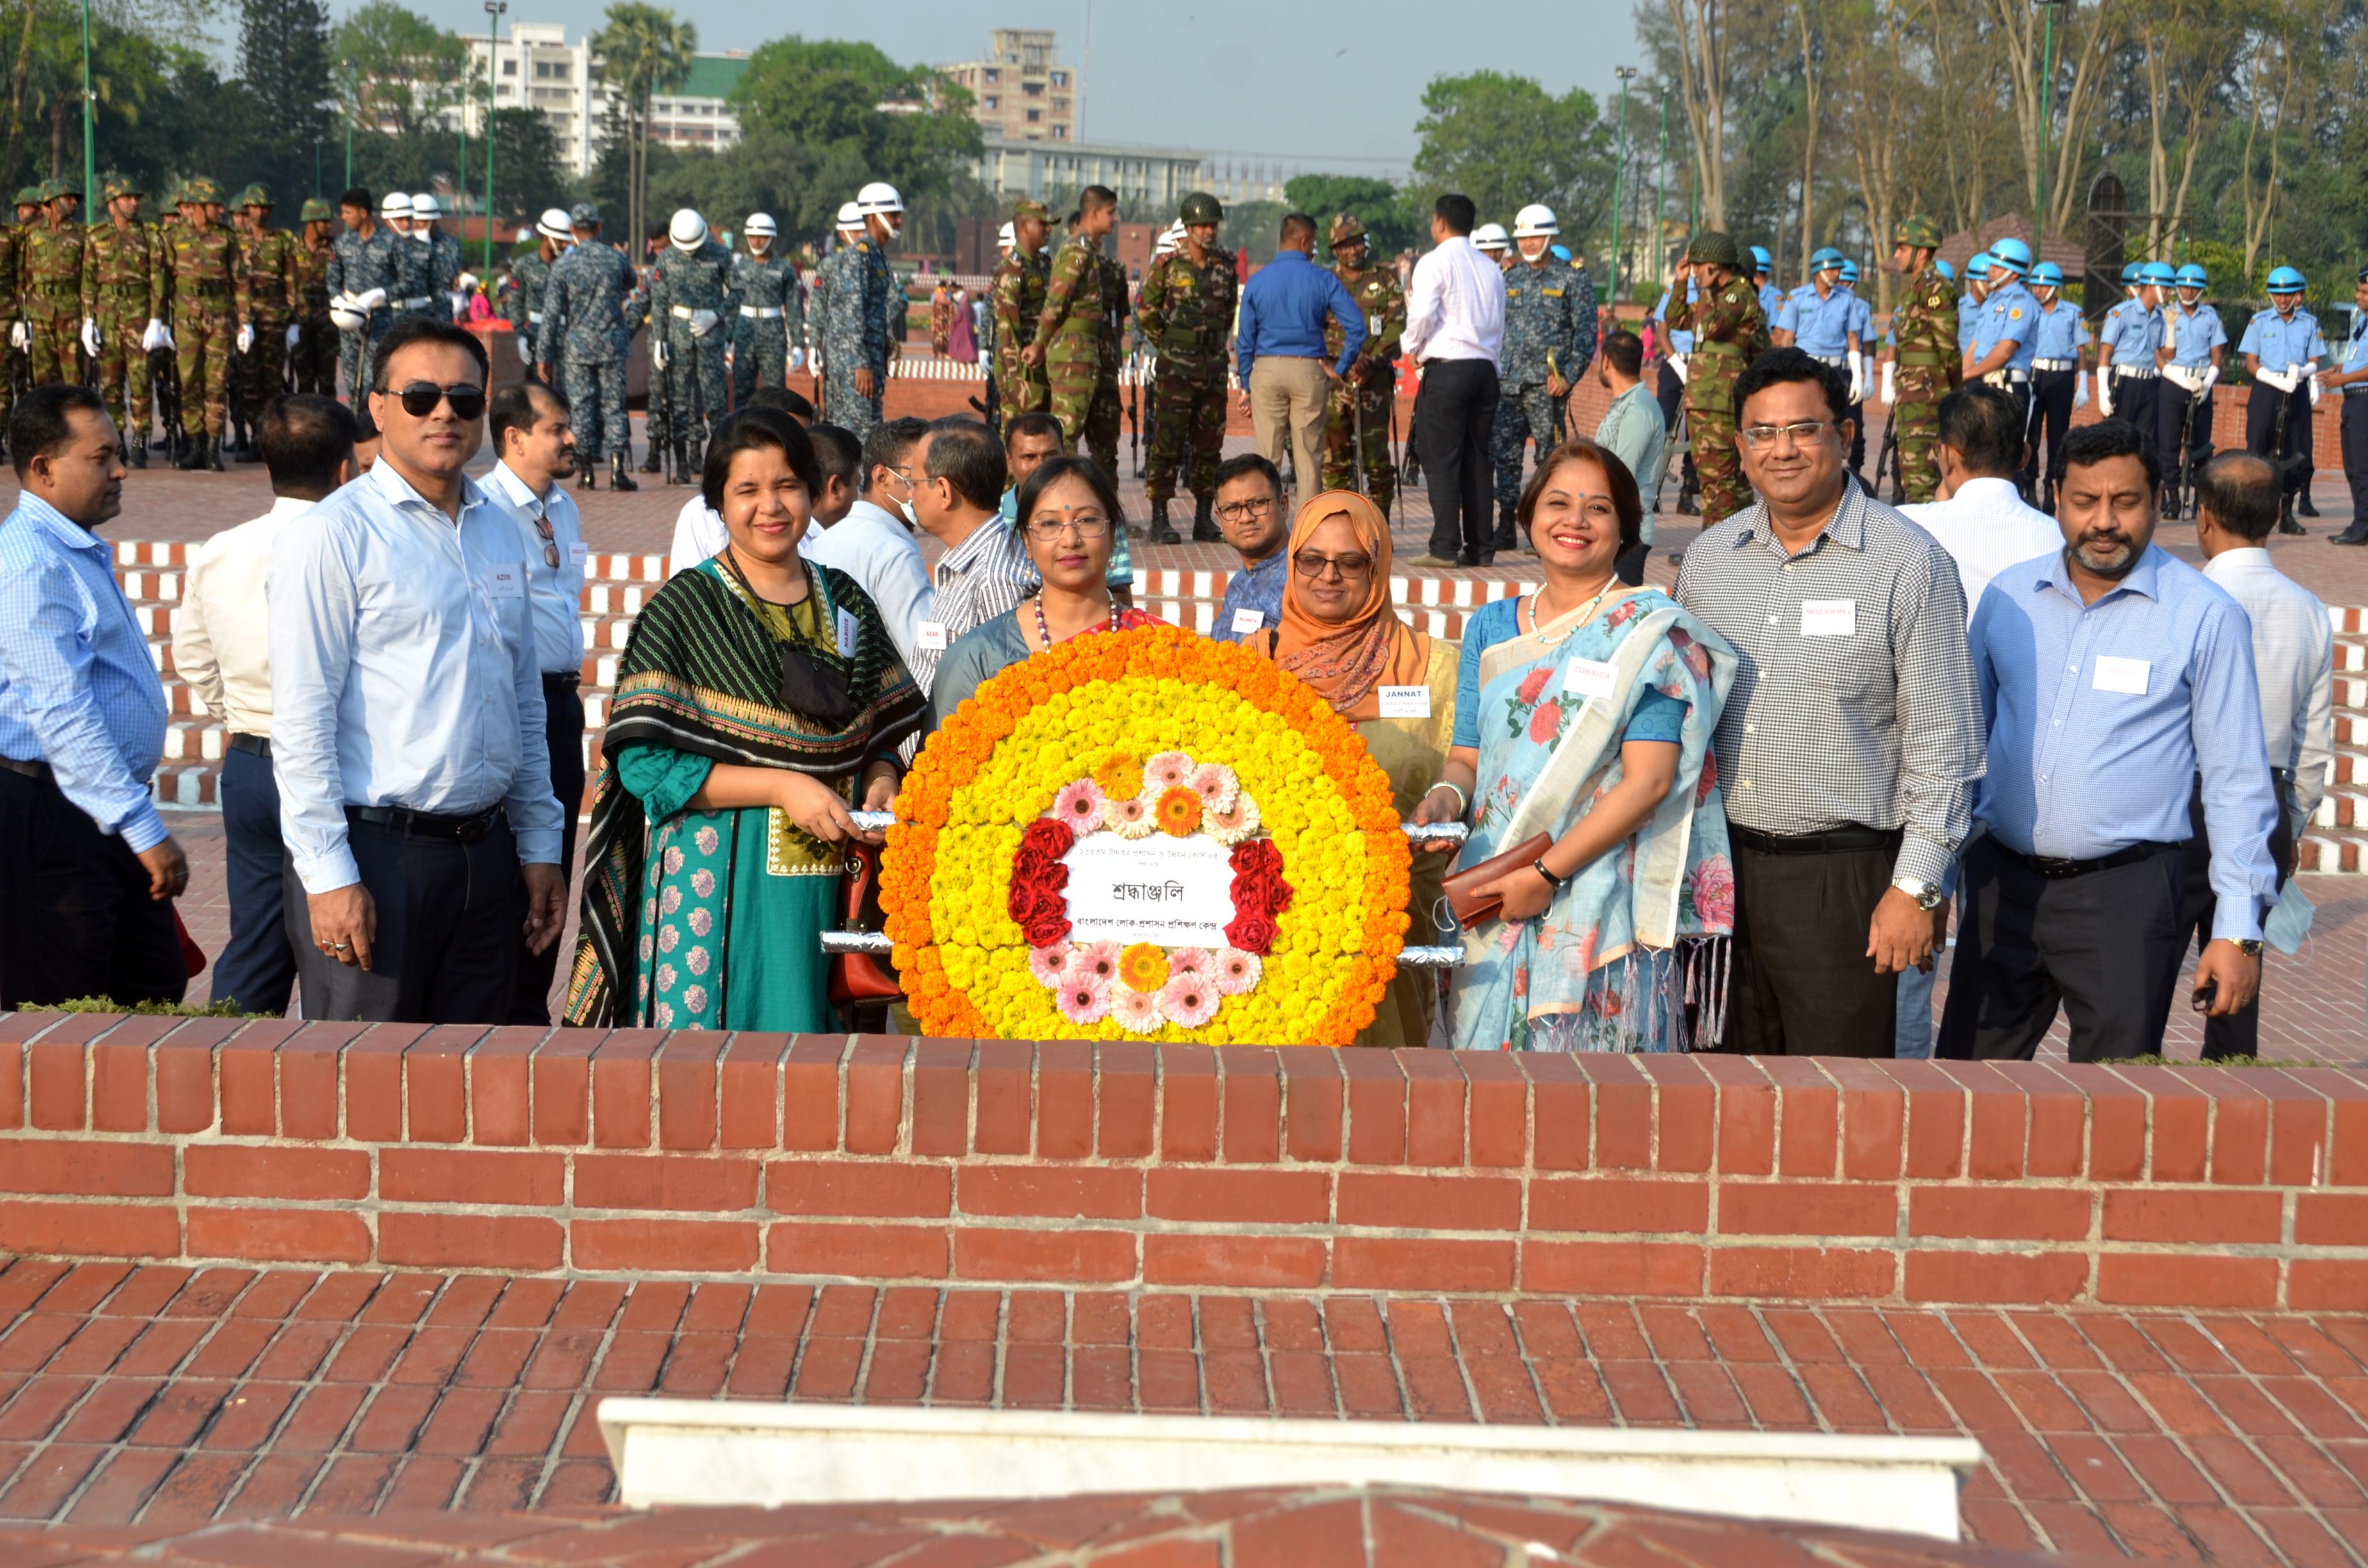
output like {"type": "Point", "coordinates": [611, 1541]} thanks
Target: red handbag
{"type": "Point", "coordinates": [858, 978]}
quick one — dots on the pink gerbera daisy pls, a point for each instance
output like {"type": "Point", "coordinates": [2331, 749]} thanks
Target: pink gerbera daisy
{"type": "Point", "coordinates": [1083, 998]}
{"type": "Point", "coordinates": [1129, 818]}
{"type": "Point", "coordinates": [1189, 999]}
{"type": "Point", "coordinates": [1137, 1012]}
{"type": "Point", "coordinates": [1048, 964]}
{"type": "Point", "coordinates": [1192, 960]}
{"type": "Point", "coordinates": [1080, 806]}
{"type": "Point", "coordinates": [1233, 824]}
{"type": "Point", "coordinates": [1097, 959]}
{"type": "Point", "coordinates": [1165, 771]}
{"type": "Point", "coordinates": [1236, 972]}
{"type": "Point", "coordinates": [1216, 785]}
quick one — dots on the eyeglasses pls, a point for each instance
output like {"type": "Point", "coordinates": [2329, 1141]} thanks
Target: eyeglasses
{"type": "Point", "coordinates": [1760, 437]}
{"type": "Point", "coordinates": [1047, 530]}
{"type": "Point", "coordinates": [550, 539]}
{"type": "Point", "coordinates": [1242, 511]}
{"type": "Point", "coordinates": [419, 399]}
{"type": "Point", "coordinates": [1309, 563]}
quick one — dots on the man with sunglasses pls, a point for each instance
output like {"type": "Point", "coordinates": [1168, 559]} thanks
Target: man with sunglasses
{"type": "Point", "coordinates": [408, 727]}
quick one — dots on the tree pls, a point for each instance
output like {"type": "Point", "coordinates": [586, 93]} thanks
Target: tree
{"type": "Point", "coordinates": [529, 173]}
{"type": "Point", "coordinates": [397, 72]}
{"type": "Point", "coordinates": [1376, 203]}
{"type": "Point", "coordinates": [284, 61]}
{"type": "Point", "coordinates": [852, 108]}
{"type": "Point", "coordinates": [643, 51]}
{"type": "Point", "coordinates": [1505, 142]}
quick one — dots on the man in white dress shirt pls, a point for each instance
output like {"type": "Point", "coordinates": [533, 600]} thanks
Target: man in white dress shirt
{"type": "Point", "coordinates": [867, 542]}
{"type": "Point", "coordinates": [532, 431]}
{"type": "Point", "coordinates": [2293, 661]}
{"type": "Point", "coordinates": [407, 726]}
{"type": "Point", "coordinates": [1455, 330]}
{"type": "Point", "coordinates": [221, 647]}
{"type": "Point", "coordinates": [1981, 520]}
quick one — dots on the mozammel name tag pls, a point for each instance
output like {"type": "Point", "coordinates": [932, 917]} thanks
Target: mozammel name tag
{"type": "Point", "coordinates": [1591, 678]}
{"type": "Point", "coordinates": [1405, 701]}
{"type": "Point", "coordinates": [1175, 892]}
{"type": "Point", "coordinates": [1247, 621]}
{"type": "Point", "coordinates": [1828, 617]}
{"type": "Point", "coordinates": [2127, 676]}
{"type": "Point", "coordinates": [931, 636]}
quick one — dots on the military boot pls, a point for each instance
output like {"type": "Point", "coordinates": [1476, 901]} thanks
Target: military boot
{"type": "Point", "coordinates": [682, 474]}
{"type": "Point", "coordinates": [2302, 508]}
{"type": "Point", "coordinates": [590, 479]}
{"type": "Point", "coordinates": [212, 446]}
{"type": "Point", "coordinates": [138, 455]}
{"type": "Point", "coordinates": [1162, 531]}
{"type": "Point", "coordinates": [1204, 526]}
{"type": "Point", "coordinates": [651, 463]}
{"type": "Point", "coordinates": [1508, 531]}
{"type": "Point", "coordinates": [618, 478]}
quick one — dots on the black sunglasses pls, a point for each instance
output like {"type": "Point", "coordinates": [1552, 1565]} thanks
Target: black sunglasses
{"type": "Point", "coordinates": [419, 399]}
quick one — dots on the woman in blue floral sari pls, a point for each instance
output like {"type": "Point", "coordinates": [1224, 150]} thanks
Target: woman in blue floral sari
{"type": "Point", "coordinates": [1585, 712]}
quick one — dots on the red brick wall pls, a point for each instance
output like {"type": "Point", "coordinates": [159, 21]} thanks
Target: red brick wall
{"type": "Point", "coordinates": [591, 1152]}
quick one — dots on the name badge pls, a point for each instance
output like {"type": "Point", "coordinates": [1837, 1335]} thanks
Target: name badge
{"type": "Point", "coordinates": [503, 583]}
{"type": "Point", "coordinates": [1406, 701]}
{"type": "Point", "coordinates": [1247, 621]}
{"type": "Point", "coordinates": [1828, 617]}
{"type": "Point", "coordinates": [846, 634]}
{"type": "Point", "coordinates": [1591, 678]}
{"type": "Point", "coordinates": [577, 553]}
{"type": "Point", "coordinates": [2125, 676]}
{"type": "Point", "coordinates": [931, 636]}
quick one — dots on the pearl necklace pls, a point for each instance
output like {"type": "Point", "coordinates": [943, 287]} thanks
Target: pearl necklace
{"type": "Point", "coordinates": [1566, 636]}
{"type": "Point", "coordinates": [1044, 633]}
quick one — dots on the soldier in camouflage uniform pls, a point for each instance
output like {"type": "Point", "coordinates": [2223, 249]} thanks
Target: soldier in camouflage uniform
{"type": "Point", "coordinates": [1926, 367]}
{"type": "Point", "coordinates": [1549, 342]}
{"type": "Point", "coordinates": [204, 263]}
{"type": "Point", "coordinates": [1186, 312]}
{"type": "Point", "coordinates": [1016, 298]}
{"type": "Point", "coordinates": [313, 361]}
{"type": "Point", "coordinates": [584, 330]}
{"type": "Point", "coordinates": [12, 237]}
{"type": "Point", "coordinates": [267, 299]}
{"type": "Point", "coordinates": [442, 262]}
{"type": "Point", "coordinates": [766, 317]}
{"type": "Point", "coordinates": [122, 301]}
{"type": "Point", "coordinates": [1730, 331]}
{"type": "Point", "coordinates": [49, 283]}
{"type": "Point", "coordinates": [363, 279]}
{"type": "Point", "coordinates": [856, 284]}
{"type": "Point", "coordinates": [690, 296]}
{"type": "Point", "coordinates": [1105, 415]}
{"type": "Point", "coordinates": [1068, 342]}
{"type": "Point", "coordinates": [1366, 395]}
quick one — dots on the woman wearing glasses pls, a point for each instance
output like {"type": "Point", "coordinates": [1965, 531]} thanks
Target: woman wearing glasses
{"type": "Point", "coordinates": [1584, 715]}
{"type": "Point", "coordinates": [1067, 515]}
{"type": "Point", "coordinates": [1341, 634]}
{"type": "Point", "coordinates": [759, 700]}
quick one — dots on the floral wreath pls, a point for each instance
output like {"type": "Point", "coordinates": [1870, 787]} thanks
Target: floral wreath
{"type": "Point", "coordinates": [1136, 734]}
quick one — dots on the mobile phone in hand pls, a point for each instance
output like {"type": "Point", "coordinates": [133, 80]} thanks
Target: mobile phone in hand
{"type": "Point", "coordinates": [2205, 995]}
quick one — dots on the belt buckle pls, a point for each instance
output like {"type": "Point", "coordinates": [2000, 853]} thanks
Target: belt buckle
{"type": "Point", "coordinates": [2051, 867]}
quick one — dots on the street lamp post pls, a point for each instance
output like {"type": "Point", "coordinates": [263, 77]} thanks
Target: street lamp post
{"type": "Point", "coordinates": [494, 9]}
{"type": "Point", "coordinates": [1619, 174]}
{"type": "Point", "coordinates": [1661, 201]}
{"type": "Point", "coordinates": [89, 126]}
{"type": "Point", "coordinates": [2047, 9]}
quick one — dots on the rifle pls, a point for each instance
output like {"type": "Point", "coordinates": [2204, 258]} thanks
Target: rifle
{"type": "Point", "coordinates": [1135, 416]}
{"type": "Point", "coordinates": [661, 390]}
{"type": "Point", "coordinates": [164, 379]}
{"type": "Point", "coordinates": [2186, 481]}
{"type": "Point", "coordinates": [1887, 460]}
{"type": "Point", "coordinates": [1390, 452]}
{"type": "Point", "coordinates": [2286, 466]}
{"type": "Point", "coordinates": [1356, 432]}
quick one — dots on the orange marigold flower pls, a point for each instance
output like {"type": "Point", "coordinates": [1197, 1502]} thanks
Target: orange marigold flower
{"type": "Point", "coordinates": [1179, 811]}
{"type": "Point", "coordinates": [1144, 967]}
{"type": "Point", "coordinates": [1119, 776]}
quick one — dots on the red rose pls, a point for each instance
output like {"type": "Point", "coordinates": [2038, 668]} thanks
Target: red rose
{"type": "Point", "coordinates": [1534, 684]}
{"type": "Point", "coordinates": [1047, 837]}
{"type": "Point", "coordinates": [1251, 933]}
{"type": "Point", "coordinates": [1544, 722]}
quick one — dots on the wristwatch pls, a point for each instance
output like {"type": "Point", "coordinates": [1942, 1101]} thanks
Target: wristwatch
{"type": "Point", "coordinates": [2249, 946]}
{"type": "Point", "coordinates": [1926, 894]}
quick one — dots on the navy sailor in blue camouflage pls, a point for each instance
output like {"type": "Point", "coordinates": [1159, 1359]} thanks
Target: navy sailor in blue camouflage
{"type": "Point", "coordinates": [1549, 343]}
{"type": "Point", "coordinates": [584, 328]}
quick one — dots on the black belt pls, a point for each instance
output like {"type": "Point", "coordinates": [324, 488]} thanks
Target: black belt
{"type": "Point", "coordinates": [30, 769]}
{"type": "Point", "coordinates": [2055, 870]}
{"type": "Point", "coordinates": [570, 679]}
{"type": "Point", "coordinates": [1833, 841]}
{"type": "Point", "coordinates": [259, 745]}
{"type": "Point", "coordinates": [426, 824]}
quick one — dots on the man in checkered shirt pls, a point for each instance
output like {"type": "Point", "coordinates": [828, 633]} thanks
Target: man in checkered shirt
{"type": "Point", "coordinates": [1852, 739]}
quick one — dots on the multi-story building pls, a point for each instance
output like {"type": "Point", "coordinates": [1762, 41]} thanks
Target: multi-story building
{"type": "Point", "coordinates": [1020, 92]}
{"type": "Point", "coordinates": [1148, 179]}
{"type": "Point", "coordinates": [535, 67]}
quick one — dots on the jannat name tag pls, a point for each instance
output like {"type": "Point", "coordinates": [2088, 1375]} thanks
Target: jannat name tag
{"type": "Point", "coordinates": [1405, 701]}
{"type": "Point", "coordinates": [1173, 892]}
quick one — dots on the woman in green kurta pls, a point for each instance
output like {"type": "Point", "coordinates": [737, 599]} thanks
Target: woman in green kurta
{"type": "Point", "coordinates": [761, 694]}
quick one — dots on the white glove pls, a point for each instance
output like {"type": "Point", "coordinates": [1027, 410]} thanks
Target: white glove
{"type": "Point", "coordinates": [246, 338]}
{"type": "Point", "coordinates": [2079, 390]}
{"type": "Point", "coordinates": [2104, 392]}
{"type": "Point", "coordinates": [703, 323]}
{"type": "Point", "coordinates": [1857, 381]}
{"type": "Point", "coordinates": [1889, 390]}
{"type": "Point", "coordinates": [294, 333]}
{"type": "Point", "coordinates": [156, 337]}
{"type": "Point", "coordinates": [797, 357]}
{"type": "Point", "coordinates": [658, 354]}
{"type": "Point", "coordinates": [2273, 379]}
{"type": "Point", "coordinates": [370, 300]}
{"type": "Point", "coordinates": [2211, 375]}
{"type": "Point", "coordinates": [90, 336]}
{"type": "Point", "coordinates": [525, 347]}
{"type": "Point", "coordinates": [1677, 363]}
{"type": "Point", "coordinates": [2309, 381]}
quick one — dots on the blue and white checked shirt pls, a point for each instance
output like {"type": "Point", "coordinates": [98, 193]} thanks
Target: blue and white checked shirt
{"type": "Point", "coordinates": [2101, 717]}
{"type": "Point", "coordinates": [78, 689]}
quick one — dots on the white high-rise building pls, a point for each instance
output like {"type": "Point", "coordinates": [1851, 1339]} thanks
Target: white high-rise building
{"type": "Point", "coordinates": [535, 67]}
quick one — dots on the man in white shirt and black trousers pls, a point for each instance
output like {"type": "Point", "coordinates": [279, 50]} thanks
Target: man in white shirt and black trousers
{"type": "Point", "coordinates": [407, 725]}
{"type": "Point", "coordinates": [2294, 664]}
{"type": "Point", "coordinates": [1455, 329]}
{"type": "Point", "coordinates": [536, 438]}
{"type": "Point", "coordinates": [221, 647]}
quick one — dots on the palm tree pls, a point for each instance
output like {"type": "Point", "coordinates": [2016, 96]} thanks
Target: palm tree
{"type": "Point", "coordinates": [643, 50]}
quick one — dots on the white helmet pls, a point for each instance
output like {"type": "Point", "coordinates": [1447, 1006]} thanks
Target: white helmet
{"type": "Point", "coordinates": [879, 197]}
{"type": "Point", "coordinates": [348, 318]}
{"type": "Point", "coordinates": [395, 204]}
{"type": "Point", "coordinates": [687, 230]}
{"type": "Point", "coordinates": [850, 217]}
{"type": "Point", "coordinates": [1006, 238]}
{"type": "Point", "coordinates": [760, 224]}
{"type": "Point", "coordinates": [1169, 238]}
{"type": "Point", "coordinates": [1490, 237]}
{"type": "Point", "coordinates": [553, 224]}
{"type": "Point", "coordinates": [423, 205]}
{"type": "Point", "coordinates": [1534, 222]}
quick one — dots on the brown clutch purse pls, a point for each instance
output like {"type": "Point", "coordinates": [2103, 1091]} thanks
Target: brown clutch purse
{"type": "Point", "coordinates": [1463, 888]}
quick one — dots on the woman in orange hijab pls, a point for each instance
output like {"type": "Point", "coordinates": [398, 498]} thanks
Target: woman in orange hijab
{"type": "Point", "coordinates": [1341, 634]}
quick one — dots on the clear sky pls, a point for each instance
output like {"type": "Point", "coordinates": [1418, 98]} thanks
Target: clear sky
{"type": "Point", "coordinates": [1325, 85]}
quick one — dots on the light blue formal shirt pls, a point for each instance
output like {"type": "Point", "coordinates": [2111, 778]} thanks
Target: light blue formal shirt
{"type": "Point", "coordinates": [873, 546]}
{"type": "Point", "coordinates": [78, 689]}
{"type": "Point", "coordinates": [1771, 300]}
{"type": "Point", "coordinates": [1681, 341]}
{"type": "Point", "coordinates": [2279, 342]}
{"type": "Point", "coordinates": [404, 671]}
{"type": "Point", "coordinates": [1969, 320]}
{"type": "Point", "coordinates": [555, 595]}
{"type": "Point", "coordinates": [2059, 333]}
{"type": "Point", "coordinates": [2193, 336]}
{"type": "Point", "coordinates": [1861, 319]}
{"type": "Point", "coordinates": [2007, 316]}
{"type": "Point", "coordinates": [2101, 717]}
{"type": "Point", "coordinates": [2355, 356]}
{"type": "Point", "coordinates": [1631, 430]}
{"type": "Point", "coordinates": [2130, 334]}
{"type": "Point", "coordinates": [1819, 325]}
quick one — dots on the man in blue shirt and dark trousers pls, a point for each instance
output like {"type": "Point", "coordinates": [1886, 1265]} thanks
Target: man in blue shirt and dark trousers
{"type": "Point", "coordinates": [1279, 350]}
{"type": "Point", "coordinates": [88, 872]}
{"type": "Point", "coordinates": [2113, 676]}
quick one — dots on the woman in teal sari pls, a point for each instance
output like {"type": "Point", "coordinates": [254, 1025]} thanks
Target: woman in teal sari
{"type": "Point", "coordinates": [1585, 712]}
{"type": "Point", "coordinates": [759, 696]}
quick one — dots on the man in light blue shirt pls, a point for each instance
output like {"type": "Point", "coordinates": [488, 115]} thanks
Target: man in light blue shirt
{"type": "Point", "coordinates": [87, 869]}
{"type": "Point", "coordinates": [1249, 508]}
{"type": "Point", "coordinates": [1631, 430]}
{"type": "Point", "coordinates": [1281, 323]}
{"type": "Point", "coordinates": [2351, 380]}
{"type": "Point", "coordinates": [407, 725]}
{"type": "Point", "coordinates": [2112, 676]}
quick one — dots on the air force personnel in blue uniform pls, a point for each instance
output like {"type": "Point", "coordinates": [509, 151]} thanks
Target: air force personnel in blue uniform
{"type": "Point", "coordinates": [2127, 365]}
{"type": "Point", "coordinates": [1821, 319]}
{"type": "Point", "coordinates": [2352, 382]}
{"type": "Point", "coordinates": [2194, 341]}
{"type": "Point", "coordinates": [2057, 386]}
{"type": "Point", "coordinates": [2282, 349]}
